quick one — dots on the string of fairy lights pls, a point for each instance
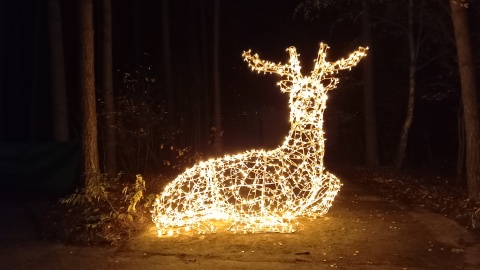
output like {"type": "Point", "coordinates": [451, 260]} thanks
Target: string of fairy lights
{"type": "Point", "coordinates": [258, 190]}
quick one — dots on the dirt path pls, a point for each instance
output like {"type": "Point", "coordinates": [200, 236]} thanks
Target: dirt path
{"type": "Point", "coordinates": [361, 231]}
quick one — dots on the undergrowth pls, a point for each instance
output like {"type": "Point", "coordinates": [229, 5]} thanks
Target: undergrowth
{"type": "Point", "coordinates": [110, 209]}
{"type": "Point", "coordinates": [106, 211]}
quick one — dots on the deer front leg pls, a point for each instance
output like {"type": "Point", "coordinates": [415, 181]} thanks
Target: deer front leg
{"type": "Point", "coordinates": [191, 200]}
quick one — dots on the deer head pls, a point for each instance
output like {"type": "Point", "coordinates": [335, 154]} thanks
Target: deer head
{"type": "Point", "coordinates": [321, 77]}
{"type": "Point", "coordinates": [308, 94]}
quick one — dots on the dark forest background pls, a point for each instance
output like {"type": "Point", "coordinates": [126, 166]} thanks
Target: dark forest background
{"type": "Point", "coordinates": [254, 113]}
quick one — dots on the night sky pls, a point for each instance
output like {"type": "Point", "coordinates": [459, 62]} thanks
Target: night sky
{"type": "Point", "coordinates": [267, 27]}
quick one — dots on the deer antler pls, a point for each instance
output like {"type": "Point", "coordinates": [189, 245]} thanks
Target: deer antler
{"type": "Point", "coordinates": [323, 67]}
{"type": "Point", "coordinates": [292, 69]}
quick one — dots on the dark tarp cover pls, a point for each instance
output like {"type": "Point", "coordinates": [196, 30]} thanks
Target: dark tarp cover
{"type": "Point", "coordinates": [39, 168]}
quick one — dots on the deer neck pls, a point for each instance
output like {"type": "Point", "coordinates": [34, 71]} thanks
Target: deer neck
{"type": "Point", "coordinates": [306, 135]}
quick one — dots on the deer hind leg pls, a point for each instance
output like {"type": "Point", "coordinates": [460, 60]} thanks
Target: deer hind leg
{"type": "Point", "coordinates": [323, 191]}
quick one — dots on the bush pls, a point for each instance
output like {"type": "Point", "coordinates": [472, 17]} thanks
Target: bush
{"type": "Point", "coordinates": [105, 212]}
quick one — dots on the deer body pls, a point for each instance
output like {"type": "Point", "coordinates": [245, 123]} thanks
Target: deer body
{"type": "Point", "coordinates": [264, 190]}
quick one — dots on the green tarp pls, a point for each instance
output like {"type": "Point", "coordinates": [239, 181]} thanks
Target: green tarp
{"type": "Point", "coordinates": [39, 168]}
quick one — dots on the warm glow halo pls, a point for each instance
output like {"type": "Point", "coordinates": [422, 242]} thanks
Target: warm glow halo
{"type": "Point", "coordinates": [258, 190]}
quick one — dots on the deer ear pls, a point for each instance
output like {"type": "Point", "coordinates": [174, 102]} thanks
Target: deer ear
{"type": "Point", "coordinates": [329, 83]}
{"type": "Point", "coordinates": [292, 51]}
{"type": "Point", "coordinates": [285, 86]}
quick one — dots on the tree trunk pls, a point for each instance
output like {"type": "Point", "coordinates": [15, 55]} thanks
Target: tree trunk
{"type": "Point", "coordinates": [196, 72]}
{"type": "Point", "coordinates": [371, 152]}
{"type": "Point", "coordinates": [34, 95]}
{"type": "Point", "coordinates": [3, 69]}
{"type": "Point", "coordinates": [108, 95]}
{"type": "Point", "coordinates": [206, 90]}
{"type": "Point", "coordinates": [59, 94]}
{"type": "Point", "coordinates": [87, 86]}
{"type": "Point", "coordinates": [217, 143]}
{"type": "Point", "coordinates": [139, 33]}
{"type": "Point", "coordinates": [461, 145]}
{"type": "Point", "coordinates": [167, 63]}
{"type": "Point", "coordinates": [469, 99]}
{"type": "Point", "coordinates": [402, 145]}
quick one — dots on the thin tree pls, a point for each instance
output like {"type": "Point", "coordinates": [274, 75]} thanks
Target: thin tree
{"type": "Point", "coordinates": [57, 65]}
{"type": "Point", "coordinates": [167, 63]}
{"type": "Point", "coordinates": [87, 87]}
{"type": "Point", "coordinates": [469, 98]}
{"type": "Point", "coordinates": [371, 149]}
{"type": "Point", "coordinates": [217, 142]}
{"type": "Point", "coordinates": [400, 155]}
{"type": "Point", "coordinates": [108, 95]}
{"type": "Point", "coordinates": [3, 27]}
{"type": "Point", "coordinates": [207, 95]}
{"type": "Point", "coordinates": [195, 67]}
{"type": "Point", "coordinates": [34, 81]}
{"type": "Point", "coordinates": [139, 32]}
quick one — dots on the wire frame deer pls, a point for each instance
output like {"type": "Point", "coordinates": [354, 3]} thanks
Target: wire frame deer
{"type": "Point", "coordinates": [258, 190]}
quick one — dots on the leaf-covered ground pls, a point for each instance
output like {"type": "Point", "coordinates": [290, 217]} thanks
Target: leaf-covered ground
{"type": "Point", "coordinates": [439, 194]}
{"type": "Point", "coordinates": [91, 223]}
{"type": "Point", "coordinates": [379, 220]}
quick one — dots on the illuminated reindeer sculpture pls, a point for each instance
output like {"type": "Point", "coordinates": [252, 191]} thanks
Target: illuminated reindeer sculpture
{"type": "Point", "coordinates": [258, 190]}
